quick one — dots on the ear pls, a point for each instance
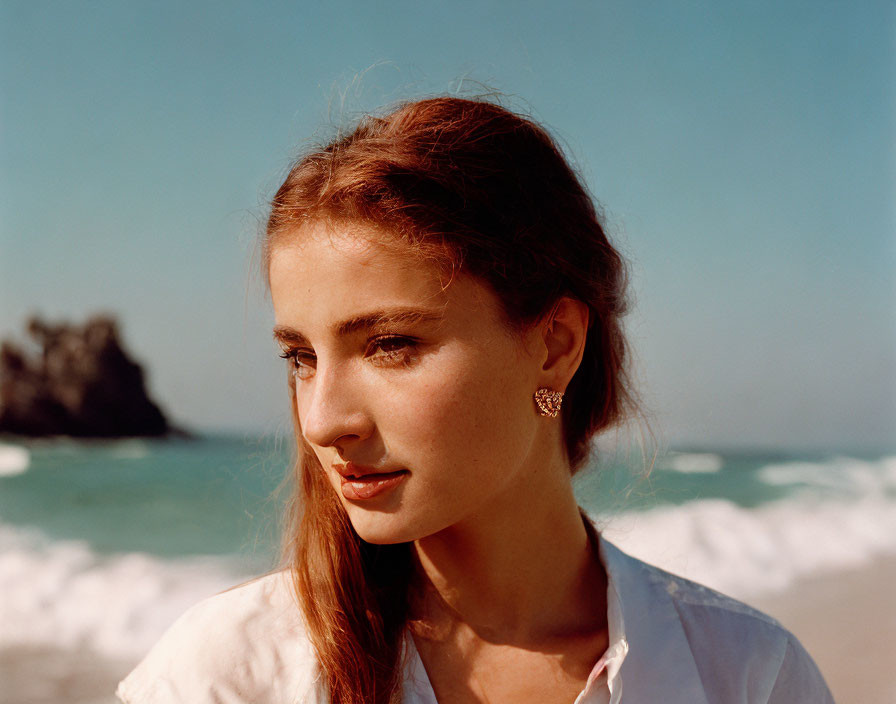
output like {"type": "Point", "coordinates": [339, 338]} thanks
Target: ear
{"type": "Point", "coordinates": [563, 332]}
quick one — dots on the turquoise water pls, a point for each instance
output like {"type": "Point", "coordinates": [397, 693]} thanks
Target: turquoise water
{"type": "Point", "coordinates": [678, 478]}
{"type": "Point", "coordinates": [209, 496]}
{"type": "Point", "coordinates": [102, 545]}
{"type": "Point", "coordinates": [219, 495]}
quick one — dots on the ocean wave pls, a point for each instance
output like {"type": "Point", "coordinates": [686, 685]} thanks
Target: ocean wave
{"type": "Point", "coordinates": [693, 462]}
{"type": "Point", "coordinates": [130, 449]}
{"type": "Point", "coordinates": [843, 476]}
{"type": "Point", "coordinates": [745, 552]}
{"type": "Point", "coordinates": [63, 594]}
{"type": "Point", "coordinates": [13, 460]}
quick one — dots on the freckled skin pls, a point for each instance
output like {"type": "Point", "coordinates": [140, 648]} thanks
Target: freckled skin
{"type": "Point", "coordinates": [458, 415]}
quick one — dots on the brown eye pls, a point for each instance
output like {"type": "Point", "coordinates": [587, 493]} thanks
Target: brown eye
{"type": "Point", "coordinates": [392, 349]}
{"type": "Point", "coordinates": [302, 362]}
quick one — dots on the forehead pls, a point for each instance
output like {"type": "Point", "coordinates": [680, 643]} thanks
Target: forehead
{"type": "Point", "coordinates": [321, 245]}
{"type": "Point", "coordinates": [323, 270]}
{"type": "Point", "coordinates": [349, 234]}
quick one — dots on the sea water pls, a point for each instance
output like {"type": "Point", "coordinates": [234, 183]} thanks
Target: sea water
{"type": "Point", "coordinates": [103, 545]}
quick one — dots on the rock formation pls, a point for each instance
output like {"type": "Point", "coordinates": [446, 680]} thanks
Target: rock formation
{"type": "Point", "coordinates": [80, 382]}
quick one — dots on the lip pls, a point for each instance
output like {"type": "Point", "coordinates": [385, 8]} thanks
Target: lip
{"type": "Point", "coordinates": [360, 483]}
{"type": "Point", "coordinates": [350, 470]}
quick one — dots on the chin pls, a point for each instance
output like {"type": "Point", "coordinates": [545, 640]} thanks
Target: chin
{"type": "Point", "coordinates": [380, 528]}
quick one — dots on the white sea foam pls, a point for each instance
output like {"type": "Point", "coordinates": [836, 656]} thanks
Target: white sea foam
{"type": "Point", "coordinates": [842, 515]}
{"type": "Point", "coordinates": [13, 460]}
{"type": "Point", "coordinates": [131, 449]}
{"type": "Point", "coordinates": [694, 462]}
{"type": "Point", "coordinates": [65, 595]}
{"type": "Point", "coordinates": [838, 476]}
{"type": "Point", "coordinates": [745, 552]}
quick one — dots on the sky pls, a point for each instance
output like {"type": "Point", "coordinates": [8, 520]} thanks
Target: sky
{"type": "Point", "coordinates": [743, 155]}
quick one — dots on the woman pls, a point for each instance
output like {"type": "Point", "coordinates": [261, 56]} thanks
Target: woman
{"type": "Point", "coordinates": [449, 307]}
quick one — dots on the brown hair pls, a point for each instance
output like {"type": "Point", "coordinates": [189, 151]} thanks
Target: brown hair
{"type": "Point", "coordinates": [488, 193]}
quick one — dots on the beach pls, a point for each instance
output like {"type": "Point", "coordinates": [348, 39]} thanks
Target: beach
{"type": "Point", "coordinates": [40, 675]}
{"type": "Point", "coordinates": [847, 622]}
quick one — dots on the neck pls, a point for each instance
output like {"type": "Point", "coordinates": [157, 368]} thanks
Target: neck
{"type": "Point", "coordinates": [522, 571]}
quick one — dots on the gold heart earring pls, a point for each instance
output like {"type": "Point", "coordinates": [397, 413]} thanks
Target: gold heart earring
{"type": "Point", "coordinates": [548, 401]}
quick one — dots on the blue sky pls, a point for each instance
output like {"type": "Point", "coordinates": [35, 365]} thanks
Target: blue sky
{"type": "Point", "coordinates": [743, 154]}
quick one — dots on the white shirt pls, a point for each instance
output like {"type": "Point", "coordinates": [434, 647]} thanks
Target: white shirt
{"type": "Point", "coordinates": [671, 641]}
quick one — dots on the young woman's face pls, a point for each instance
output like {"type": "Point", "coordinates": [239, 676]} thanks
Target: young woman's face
{"type": "Point", "coordinates": [415, 397]}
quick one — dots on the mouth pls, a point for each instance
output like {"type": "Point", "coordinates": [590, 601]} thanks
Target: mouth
{"type": "Point", "coordinates": [361, 483]}
{"type": "Point", "coordinates": [353, 471]}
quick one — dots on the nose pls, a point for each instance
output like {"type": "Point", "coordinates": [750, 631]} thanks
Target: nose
{"type": "Point", "coordinates": [331, 411]}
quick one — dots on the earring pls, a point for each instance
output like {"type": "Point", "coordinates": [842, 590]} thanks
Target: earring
{"type": "Point", "coordinates": [548, 402]}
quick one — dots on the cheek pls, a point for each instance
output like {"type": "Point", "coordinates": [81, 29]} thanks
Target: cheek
{"type": "Point", "coordinates": [470, 413]}
{"type": "Point", "coordinates": [417, 419]}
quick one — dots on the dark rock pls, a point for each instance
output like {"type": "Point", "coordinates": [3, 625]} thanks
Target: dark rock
{"type": "Point", "coordinates": [79, 383]}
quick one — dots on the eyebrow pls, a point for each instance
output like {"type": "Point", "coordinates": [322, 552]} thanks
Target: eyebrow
{"type": "Point", "coordinates": [366, 321]}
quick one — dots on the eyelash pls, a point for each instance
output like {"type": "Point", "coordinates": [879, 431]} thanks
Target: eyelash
{"type": "Point", "coordinates": [299, 358]}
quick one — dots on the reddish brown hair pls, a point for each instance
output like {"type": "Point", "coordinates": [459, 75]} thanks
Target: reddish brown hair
{"type": "Point", "coordinates": [486, 192]}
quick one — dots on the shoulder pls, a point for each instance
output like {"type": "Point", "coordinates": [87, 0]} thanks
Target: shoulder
{"type": "Point", "coordinates": [757, 654]}
{"type": "Point", "coordinates": [245, 644]}
{"type": "Point", "coordinates": [736, 653]}
{"type": "Point", "coordinates": [711, 612]}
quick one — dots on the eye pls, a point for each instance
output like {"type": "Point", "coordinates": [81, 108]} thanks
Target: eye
{"type": "Point", "coordinates": [303, 362]}
{"type": "Point", "coordinates": [392, 350]}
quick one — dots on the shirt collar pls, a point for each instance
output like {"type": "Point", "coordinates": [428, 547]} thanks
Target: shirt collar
{"type": "Point", "coordinates": [648, 653]}
{"type": "Point", "coordinates": [658, 664]}
{"type": "Point", "coordinates": [606, 671]}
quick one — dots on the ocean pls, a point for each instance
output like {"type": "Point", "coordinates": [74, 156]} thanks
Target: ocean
{"type": "Point", "coordinates": [104, 544]}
